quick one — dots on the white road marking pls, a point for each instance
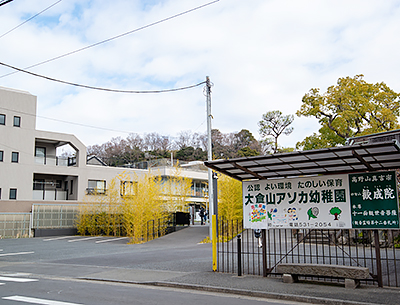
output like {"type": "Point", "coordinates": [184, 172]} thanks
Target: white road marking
{"type": "Point", "coordinates": [17, 253]}
{"type": "Point", "coordinates": [18, 274]}
{"type": "Point", "coordinates": [82, 239]}
{"type": "Point", "coordinates": [37, 301]}
{"type": "Point", "coordinates": [57, 238]}
{"type": "Point", "coordinates": [111, 239]}
{"type": "Point", "coordinates": [2, 284]}
{"type": "Point", "coordinates": [16, 279]}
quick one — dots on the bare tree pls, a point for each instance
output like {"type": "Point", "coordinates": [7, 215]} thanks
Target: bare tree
{"type": "Point", "coordinates": [185, 139]}
{"type": "Point", "coordinates": [135, 141]}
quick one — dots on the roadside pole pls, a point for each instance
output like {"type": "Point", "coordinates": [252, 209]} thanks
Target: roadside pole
{"type": "Point", "coordinates": [214, 243]}
{"type": "Point", "coordinates": [209, 155]}
{"type": "Point", "coordinates": [211, 201]}
{"type": "Point", "coordinates": [215, 222]}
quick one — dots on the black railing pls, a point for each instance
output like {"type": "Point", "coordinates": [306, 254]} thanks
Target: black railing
{"type": "Point", "coordinates": [337, 247]}
{"type": "Point", "coordinates": [157, 228]}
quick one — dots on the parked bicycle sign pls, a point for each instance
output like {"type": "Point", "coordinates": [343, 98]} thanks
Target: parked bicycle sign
{"type": "Point", "coordinates": [325, 202]}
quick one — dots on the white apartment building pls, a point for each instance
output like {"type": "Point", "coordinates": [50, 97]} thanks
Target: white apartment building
{"type": "Point", "coordinates": [38, 188]}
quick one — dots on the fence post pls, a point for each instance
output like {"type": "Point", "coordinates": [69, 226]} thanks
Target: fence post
{"type": "Point", "coordinates": [378, 259]}
{"type": "Point", "coordinates": [239, 253]}
{"type": "Point", "coordinates": [264, 252]}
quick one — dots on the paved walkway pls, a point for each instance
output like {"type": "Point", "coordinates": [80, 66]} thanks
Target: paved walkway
{"type": "Point", "coordinates": [205, 279]}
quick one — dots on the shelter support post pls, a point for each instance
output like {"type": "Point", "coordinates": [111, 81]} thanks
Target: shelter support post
{"type": "Point", "coordinates": [378, 259]}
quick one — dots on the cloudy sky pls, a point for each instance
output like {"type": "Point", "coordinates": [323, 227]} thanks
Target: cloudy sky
{"type": "Point", "coordinates": [260, 55]}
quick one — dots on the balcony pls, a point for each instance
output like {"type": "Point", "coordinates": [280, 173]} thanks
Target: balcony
{"type": "Point", "coordinates": [55, 161]}
{"type": "Point", "coordinates": [96, 191]}
{"type": "Point", "coordinates": [49, 195]}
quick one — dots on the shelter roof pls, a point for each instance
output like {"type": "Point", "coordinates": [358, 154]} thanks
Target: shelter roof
{"type": "Point", "coordinates": [335, 160]}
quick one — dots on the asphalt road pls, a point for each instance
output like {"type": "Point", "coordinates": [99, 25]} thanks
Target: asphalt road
{"type": "Point", "coordinates": [72, 292]}
{"type": "Point", "coordinates": [70, 271]}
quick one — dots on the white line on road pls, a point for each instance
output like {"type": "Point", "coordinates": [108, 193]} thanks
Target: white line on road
{"type": "Point", "coordinates": [110, 239]}
{"type": "Point", "coordinates": [37, 301]}
{"type": "Point", "coordinates": [57, 238]}
{"type": "Point", "coordinates": [17, 253]}
{"type": "Point", "coordinates": [82, 239]}
{"type": "Point", "coordinates": [18, 274]}
{"type": "Point", "coordinates": [16, 279]}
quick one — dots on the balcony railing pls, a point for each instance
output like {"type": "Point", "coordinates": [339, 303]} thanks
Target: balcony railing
{"type": "Point", "coordinates": [56, 161]}
{"type": "Point", "coordinates": [49, 195]}
{"type": "Point", "coordinates": [96, 191]}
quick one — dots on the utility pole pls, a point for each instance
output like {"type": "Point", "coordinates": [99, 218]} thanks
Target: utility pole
{"type": "Point", "coordinates": [211, 200]}
{"type": "Point", "coordinates": [209, 154]}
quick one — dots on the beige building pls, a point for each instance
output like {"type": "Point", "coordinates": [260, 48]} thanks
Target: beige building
{"type": "Point", "coordinates": [40, 189]}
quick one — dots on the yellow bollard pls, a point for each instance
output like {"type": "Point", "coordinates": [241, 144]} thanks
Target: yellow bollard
{"type": "Point", "coordinates": [214, 242]}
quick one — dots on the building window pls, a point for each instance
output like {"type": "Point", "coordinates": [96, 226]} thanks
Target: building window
{"type": "Point", "coordinates": [15, 157]}
{"type": "Point", "coordinates": [96, 187]}
{"type": "Point", "coordinates": [13, 193]}
{"type": "Point", "coordinates": [17, 121]}
{"type": "Point", "coordinates": [2, 119]}
{"type": "Point", "coordinates": [0, 193]}
{"type": "Point", "coordinates": [40, 155]}
{"type": "Point", "coordinates": [40, 152]}
{"type": "Point", "coordinates": [72, 187]}
{"type": "Point", "coordinates": [1, 156]}
{"type": "Point", "coordinates": [127, 188]}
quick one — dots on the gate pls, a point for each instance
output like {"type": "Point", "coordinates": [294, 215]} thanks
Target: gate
{"type": "Point", "coordinates": [377, 250]}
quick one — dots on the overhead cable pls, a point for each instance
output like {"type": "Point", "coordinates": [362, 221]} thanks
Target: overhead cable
{"type": "Point", "coordinates": [29, 19]}
{"type": "Point", "coordinates": [100, 88]}
{"type": "Point", "coordinates": [5, 2]}
{"type": "Point", "coordinates": [115, 37]}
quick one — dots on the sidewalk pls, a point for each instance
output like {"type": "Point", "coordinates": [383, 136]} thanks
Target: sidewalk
{"type": "Point", "coordinates": [257, 286]}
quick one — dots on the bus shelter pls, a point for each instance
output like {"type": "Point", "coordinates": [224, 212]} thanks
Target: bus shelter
{"type": "Point", "coordinates": [351, 187]}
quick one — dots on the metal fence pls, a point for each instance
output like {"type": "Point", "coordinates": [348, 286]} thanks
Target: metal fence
{"type": "Point", "coordinates": [239, 251]}
{"type": "Point", "coordinates": [14, 225]}
{"type": "Point", "coordinates": [54, 216]}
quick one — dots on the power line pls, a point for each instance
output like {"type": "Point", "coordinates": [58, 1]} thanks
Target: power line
{"type": "Point", "coordinates": [66, 122]}
{"type": "Point", "coordinates": [4, 2]}
{"type": "Point", "coordinates": [115, 37]}
{"type": "Point", "coordinates": [100, 88]}
{"type": "Point", "coordinates": [29, 18]}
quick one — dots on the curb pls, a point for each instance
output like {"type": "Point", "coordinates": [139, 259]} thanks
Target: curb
{"type": "Point", "coordinates": [249, 293]}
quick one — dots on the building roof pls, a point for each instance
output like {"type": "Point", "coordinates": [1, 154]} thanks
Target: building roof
{"type": "Point", "coordinates": [336, 160]}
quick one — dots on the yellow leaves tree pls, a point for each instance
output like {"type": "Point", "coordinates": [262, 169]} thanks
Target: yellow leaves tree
{"type": "Point", "coordinates": [129, 207]}
{"type": "Point", "coordinates": [100, 212]}
{"type": "Point", "coordinates": [176, 190]}
{"type": "Point", "coordinates": [141, 207]}
{"type": "Point", "coordinates": [230, 199]}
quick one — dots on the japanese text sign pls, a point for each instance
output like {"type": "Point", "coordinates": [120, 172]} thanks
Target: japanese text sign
{"type": "Point", "coordinates": [324, 202]}
{"type": "Point", "coordinates": [374, 201]}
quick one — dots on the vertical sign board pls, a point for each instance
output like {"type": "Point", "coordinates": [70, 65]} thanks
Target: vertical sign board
{"type": "Point", "coordinates": [374, 200]}
{"type": "Point", "coordinates": [367, 200]}
{"type": "Point", "coordinates": [297, 203]}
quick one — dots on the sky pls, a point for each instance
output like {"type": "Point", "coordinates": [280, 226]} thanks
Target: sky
{"type": "Point", "coordinates": [260, 55]}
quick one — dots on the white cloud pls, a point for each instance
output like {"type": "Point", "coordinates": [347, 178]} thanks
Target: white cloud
{"type": "Point", "coordinates": [261, 55]}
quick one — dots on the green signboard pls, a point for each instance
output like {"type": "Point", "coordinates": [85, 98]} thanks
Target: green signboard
{"type": "Point", "coordinates": [374, 200]}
